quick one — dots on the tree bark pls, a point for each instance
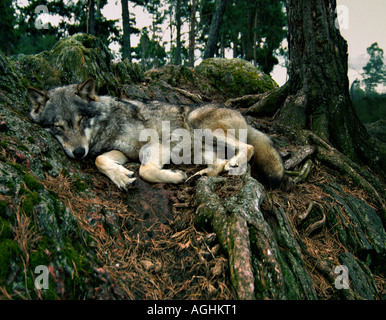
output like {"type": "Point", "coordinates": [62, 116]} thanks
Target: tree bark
{"type": "Point", "coordinates": [192, 33]}
{"type": "Point", "coordinates": [178, 40]}
{"type": "Point", "coordinates": [91, 17]}
{"type": "Point", "coordinates": [126, 48]}
{"type": "Point", "coordinates": [214, 30]}
{"type": "Point", "coordinates": [318, 82]}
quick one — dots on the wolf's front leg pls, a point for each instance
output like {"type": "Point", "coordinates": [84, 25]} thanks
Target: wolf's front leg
{"type": "Point", "coordinates": [111, 164]}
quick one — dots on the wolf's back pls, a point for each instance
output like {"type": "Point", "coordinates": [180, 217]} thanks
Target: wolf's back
{"type": "Point", "coordinates": [267, 159]}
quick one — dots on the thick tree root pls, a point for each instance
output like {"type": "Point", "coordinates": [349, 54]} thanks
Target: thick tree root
{"type": "Point", "coordinates": [359, 175]}
{"type": "Point", "coordinates": [258, 268]}
{"type": "Point", "coordinates": [269, 102]}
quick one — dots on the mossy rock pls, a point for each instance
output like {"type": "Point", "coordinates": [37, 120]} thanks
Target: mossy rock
{"type": "Point", "coordinates": [82, 56]}
{"type": "Point", "coordinates": [73, 60]}
{"type": "Point", "coordinates": [233, 77]}
{"type": "Point", "coordinates": [172, 74]}
{"type": "Point", "coordinates": [36, 70]}
{"type": "Point", "coordinates": [127, 72]}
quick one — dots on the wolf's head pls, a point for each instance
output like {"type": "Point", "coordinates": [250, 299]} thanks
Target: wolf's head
{"type": "Point", "coordinates": [68, 114]}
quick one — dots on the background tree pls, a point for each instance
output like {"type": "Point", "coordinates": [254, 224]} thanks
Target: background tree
{"type": "Point", "coordinates": [375, 70]}
{"type": "Point", "coordinates": [254, 30]}
{"type": "Point", "coordinates": [369, 104]}
{"type": "Point", "coordinates": [214, 29]}
{"type": "Point", "coordinates": [178, 25]}
{"type": "Point", "coordinates": [7, 23]}
{"type": "Point", "coordinates": [192, 32]}
{"type": "Point", "coordinates": [91, 17]}
{"type": "Point", "coordinates": [318, 87]}
{"type": "Point", "coordinates": [261, 28]}
{"type": "Point", "coordinates": [150, 52]}
{"type": "Point", "coordinates": [28, 38]}
{"type": "Point", "coordinates": [75, 17]}
{"type": "Point", "coordinates": [126, 44]}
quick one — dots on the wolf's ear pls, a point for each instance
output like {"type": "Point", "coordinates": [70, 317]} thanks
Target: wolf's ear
{"type": "Point", "coordinates": [86, 90]}
{"type": "Point", "coordinates": [38, 99]}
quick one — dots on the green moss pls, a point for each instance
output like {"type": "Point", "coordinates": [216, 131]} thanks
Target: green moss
{"type": "Point", "coordinates": [5, 229]}
{"type": "Point", "coordinates": [65, 172]}
{"type": "Point", "coordinates": [32, 183]}
{"type": "Point", "coordinates": [22, 147]}
{"type": "Point", "coordinates": [4, 87]}
{"type": "Point", "coordinates": [40, 256]}
{"type": "Point", "coordinates": [3, 208]}
{"type": "Point", "coordinates": [75, 256]}
{"type": "Point", "coordinates": [234, 77]}
{"type": "Point", "coordinates": [17, 166]}
{"type": "Point", "coordinates": [29, 202]}
{"type": "Point", "coordinates": [31, 139]}
{"type": "Point", "coordinates": [50, 294]}
{"type": "Point", "coordinates": [9, 250]}
{"type": "Point", "coordinates": [80, 186]}
{"type": "Point", "coordinates": [47, 166]}
{"type": "Point", "coordinates": [4, 144]}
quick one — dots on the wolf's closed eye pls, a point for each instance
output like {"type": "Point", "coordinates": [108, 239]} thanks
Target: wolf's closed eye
{"type": "Point", "coordinates": [59, 127]}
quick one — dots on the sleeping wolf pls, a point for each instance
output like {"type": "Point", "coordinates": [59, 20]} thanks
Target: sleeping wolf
{"type": "Point", "coordinates": [114, 130]}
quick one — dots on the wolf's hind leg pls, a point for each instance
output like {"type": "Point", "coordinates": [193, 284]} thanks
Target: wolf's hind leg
{"type": "Point", "coordinates": [111, 164]}
{"type": "Point", "coordinates": [152, 172]}
{"type": "Point", "coordinates": [152, 157]}
{"type": "Point", "coordinates": [211, 170]}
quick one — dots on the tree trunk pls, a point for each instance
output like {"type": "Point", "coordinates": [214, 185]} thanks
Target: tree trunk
{"type": "Point", "coordinates": [319, 87]}
{"type": "Point", "coordinates": [255, 21]}
{"type": "Point", "coordinates": [91, 17]}
{"type": "Point", "coordinates": [126, 48]}
{"type": "Point", "coordinates": [214, 30]}
{"type": "Point", "coordinates": [192, 33]}
{"type": "Point", "coordinates": [178, 40]}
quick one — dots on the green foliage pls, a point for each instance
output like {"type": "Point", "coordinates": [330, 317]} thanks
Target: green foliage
{"type": "Point", "coordinates": [375, 70]}
{"type": "Point", "coordinates": [23, 34]}
{"type": "Point", "coordinates": [370, 105]}
{"type": "Point", "coordinates": [253, 29]}
{"type": "Point", "coordinates": [7, 22]}
{"type": "Point", "coordinates": [150, 52]}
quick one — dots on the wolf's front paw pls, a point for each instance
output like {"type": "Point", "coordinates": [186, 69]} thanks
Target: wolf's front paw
{"type": "Point", "coordinates": [123, 182]}
{"type": "Point", "coordinates": [121, 178]}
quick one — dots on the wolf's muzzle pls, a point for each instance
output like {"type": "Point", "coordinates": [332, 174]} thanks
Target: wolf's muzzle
{"type": "Point", "coordinates": [79, 153]}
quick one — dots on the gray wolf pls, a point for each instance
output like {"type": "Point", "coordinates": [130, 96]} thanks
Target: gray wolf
{"type": "Point", "coordinates": [114, 131]}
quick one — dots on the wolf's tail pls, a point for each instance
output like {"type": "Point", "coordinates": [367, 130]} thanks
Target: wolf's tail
{"type": "Point", "coordinates": [267, 159]}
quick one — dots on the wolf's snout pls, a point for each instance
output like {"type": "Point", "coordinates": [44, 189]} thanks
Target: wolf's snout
{"type": "Point", "coordinates": [79, 153]}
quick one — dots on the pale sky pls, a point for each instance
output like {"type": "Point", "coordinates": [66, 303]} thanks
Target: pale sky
{"type": "Point", "coordinates": [366, 25]}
